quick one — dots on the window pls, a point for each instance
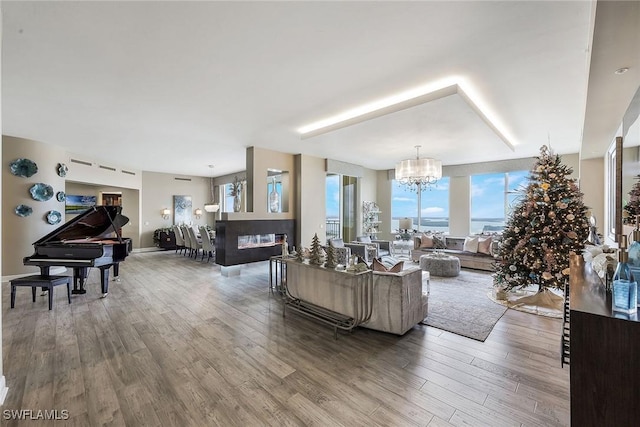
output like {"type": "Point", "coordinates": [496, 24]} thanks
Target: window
{"type": "Point", "coordinates": [493, 195]}
{"type": "Point", "coordinates": [333, 206]}
{"type": "Point", "coordinates": [434, 205]}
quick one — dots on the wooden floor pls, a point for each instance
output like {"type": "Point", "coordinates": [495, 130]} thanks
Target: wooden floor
{"type": "Point", "coordinates": [176, 343]}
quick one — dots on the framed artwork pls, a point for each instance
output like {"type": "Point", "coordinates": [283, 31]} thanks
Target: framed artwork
{"type": "Point", "coordinates": [76, 203]}
{"type": "Point", "coordinates": [182, 207]}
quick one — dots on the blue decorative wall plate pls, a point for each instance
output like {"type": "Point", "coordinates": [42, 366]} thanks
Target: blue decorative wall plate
{"type": "Point", "coordinates": [41, 192]}
{"type": "Point", "coordinates": [62, 170]}
{"type": "Point", "coordinates": [54, 217]}
{"type": "Point", "coordinates": [23, 167]}
{"type": "Point", "coordinates": [60, 196]}
{"type": "Point", "coordinates": [23, 210]}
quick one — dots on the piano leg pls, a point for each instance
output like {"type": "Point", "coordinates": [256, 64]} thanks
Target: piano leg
{"type": "Point", "coordinates": [44, 271]}
{"type": "Point", "coordinates": [104, 279]}
{"type": "Point", "coordinates": [79, 274]}
{"type": "Point", "coordinates": [116, 270]}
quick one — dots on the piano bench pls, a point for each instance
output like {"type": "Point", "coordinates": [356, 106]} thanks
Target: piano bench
{"type": "Point", "coordinates": [39, 281]}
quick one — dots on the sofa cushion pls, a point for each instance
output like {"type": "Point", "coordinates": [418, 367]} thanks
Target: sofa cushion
{"type": "Point", "coordinates": [426, 241]}
{"type": "Point", "coordinates": [439, 243]}
{"type": "Point", "coordinates": [484, 245]}
{"type": "Point", "coordinates": [471, 244]}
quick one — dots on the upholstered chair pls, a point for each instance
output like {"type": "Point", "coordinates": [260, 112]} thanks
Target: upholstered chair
{"type": "Point", "coordinates": [207, 246]}
{"type": "Point", "coordinates": [383, 246]}
{"type": "Point", "coordinates": [180, 246]}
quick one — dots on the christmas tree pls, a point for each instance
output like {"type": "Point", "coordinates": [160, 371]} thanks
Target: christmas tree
{"type": "Point", "coordinates": [331, 257]}
{"type": "Point", "coordinates": [632, 208]}
{"type": "Point", "coordinates": [545, 227]}
{"type": "Point", "coordinates": [316, 257]}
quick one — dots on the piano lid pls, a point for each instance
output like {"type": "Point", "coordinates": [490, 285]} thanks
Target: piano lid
{"type": "Point", "coordinates": [97, 221]}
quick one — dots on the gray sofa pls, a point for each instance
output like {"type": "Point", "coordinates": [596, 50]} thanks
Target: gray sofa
{"type": "Point", "coordinates": [399, 301]}
{"type": "Point", "coordinates": [455, 246]}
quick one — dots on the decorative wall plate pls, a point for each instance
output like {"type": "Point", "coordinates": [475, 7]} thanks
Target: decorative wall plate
{"type": "Point", "coordinates": [60, 196]}
{"type": "Point", "coordinates": [41, 192]}
{"type": "Point", "coordinates": [54, 217]}
{"type": "Point", "coordinates": [62, 170]}
{"type": "Point", "coordinates": [23, 210]}
{"type": "Point", "coordinates": [23, 167]}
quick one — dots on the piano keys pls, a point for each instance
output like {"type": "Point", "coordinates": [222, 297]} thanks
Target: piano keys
{"type": "Point", "coordinates": [91, 239]}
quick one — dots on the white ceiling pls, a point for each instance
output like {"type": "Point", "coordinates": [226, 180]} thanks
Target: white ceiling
{"type": "Point", "coordinates": [174, 86]}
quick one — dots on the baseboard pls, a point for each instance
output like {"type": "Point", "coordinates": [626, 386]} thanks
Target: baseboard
{"type": "Point", "coordinates": [3, 389]}
{"type": "Point", "coordinates": [151, 249]}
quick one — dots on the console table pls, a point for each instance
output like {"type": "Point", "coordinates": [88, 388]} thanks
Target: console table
{"type": "Point", "coordinates": [343, 300]}
{"type": "Point", "coordinates": [605, 349]}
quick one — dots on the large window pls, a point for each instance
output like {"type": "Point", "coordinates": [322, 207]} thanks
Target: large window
{"type": "Point", "coordinates": [333, 206]}
{"type": "Point", "coordinates": [493, 196]}
{"type": "Point", "coordinates": [434, 206]}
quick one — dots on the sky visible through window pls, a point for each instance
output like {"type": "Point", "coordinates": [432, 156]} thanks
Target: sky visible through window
{"type": "Point", "coordinates": [487, 201]}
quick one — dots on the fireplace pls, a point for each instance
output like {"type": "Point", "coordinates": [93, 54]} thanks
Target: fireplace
{"type": "Point", "coordinates": [240, 242]}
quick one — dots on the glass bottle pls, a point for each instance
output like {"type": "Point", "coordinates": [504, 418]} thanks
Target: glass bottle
{"type": "Point", "coordinates": [624, 297]}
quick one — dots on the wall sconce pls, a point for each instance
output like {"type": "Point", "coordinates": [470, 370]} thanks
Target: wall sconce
{"type": "Point", "coordinates": [197, 213]}
{"type": "Point", "coordinates": [165, 213]}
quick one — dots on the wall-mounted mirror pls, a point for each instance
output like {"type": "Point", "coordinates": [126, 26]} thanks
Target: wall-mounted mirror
{"type": "Point", "coordinates": [277, 191]}
{"type": "Point", "coordinates": [630, 131]}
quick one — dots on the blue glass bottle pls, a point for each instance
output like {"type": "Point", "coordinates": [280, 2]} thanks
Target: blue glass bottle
{"type": "Point", "coordinates": [624, 298]}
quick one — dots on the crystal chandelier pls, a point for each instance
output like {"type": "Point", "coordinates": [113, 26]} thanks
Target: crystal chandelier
{"type": "Point", "coordinates": [424, 171]}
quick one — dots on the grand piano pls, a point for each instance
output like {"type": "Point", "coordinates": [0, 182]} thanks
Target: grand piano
{"type": "Point", "coordinates": [91, 239]}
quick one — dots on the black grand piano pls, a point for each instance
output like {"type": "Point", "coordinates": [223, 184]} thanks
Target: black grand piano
{"type": "Point", "coordinates": [91, 239]}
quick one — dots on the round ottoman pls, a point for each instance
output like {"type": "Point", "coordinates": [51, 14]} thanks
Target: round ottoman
{"type": "Point", "coordinates": [440, 265]}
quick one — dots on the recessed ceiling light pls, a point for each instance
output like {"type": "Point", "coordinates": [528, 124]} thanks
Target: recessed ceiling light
{"type": "Point", "coordinates": [621, 70]}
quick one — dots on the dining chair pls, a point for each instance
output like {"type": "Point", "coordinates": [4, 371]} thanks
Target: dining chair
{"type": "Point", "coordinates": [187, 240]}
{"type": "Point", "coordinates": [196, 244]}
{"type": "Point", "coordinates": [179, 239]}
{"type": "Point", "coordinates": [207, 245]}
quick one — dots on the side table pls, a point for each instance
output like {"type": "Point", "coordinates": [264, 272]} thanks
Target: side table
{"type": "Point", "coordinates": [402, 247]}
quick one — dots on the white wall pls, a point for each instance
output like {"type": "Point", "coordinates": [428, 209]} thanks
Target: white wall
{"type": "Point", "coordinates": [20, 233]}
{"type": "Point", "coordinates": [311, 194]}
{"type": "Point", "coordinates": [159, 189]}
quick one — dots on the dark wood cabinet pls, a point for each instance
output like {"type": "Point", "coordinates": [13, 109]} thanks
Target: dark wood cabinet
{"type": "Point", "coordinates": [605, 355]}
{"type": "Point", "coordinates": [167, 240]}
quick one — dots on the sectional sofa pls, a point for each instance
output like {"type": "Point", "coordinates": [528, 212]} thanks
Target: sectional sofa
{"type": "Point", "coordinates": [478, 259]}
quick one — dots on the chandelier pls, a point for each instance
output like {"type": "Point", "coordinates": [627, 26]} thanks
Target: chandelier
{"type": "Point", "coordinates": [212, 206]}
{"type": "Point", "coordinates": [424, 171]}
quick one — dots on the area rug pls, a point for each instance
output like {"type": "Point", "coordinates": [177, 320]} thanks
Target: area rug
{"type": "Point", "coordinates": [460, 305]}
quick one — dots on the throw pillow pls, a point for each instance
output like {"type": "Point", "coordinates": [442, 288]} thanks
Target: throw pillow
{"type": "Point", "coordinates": [363, 239]}
{"type": "Point", "coordinates": [379, 266]}
{"type": "Point", "coordinates": [470, 244]}
{"type": "Point", "coordinates": [484, 245]}
{"type": "Point", "coordinates": [426, 241]}
{"type": "Point", "coordinates": [438, 243]}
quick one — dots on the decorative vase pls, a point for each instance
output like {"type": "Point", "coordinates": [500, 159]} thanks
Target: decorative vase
{"type": "Point", "coordinates": [274, 199]}
{"type": "Point", "coordinates": [236, 203]}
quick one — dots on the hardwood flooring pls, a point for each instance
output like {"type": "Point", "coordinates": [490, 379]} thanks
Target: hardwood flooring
{"type": "Point", "coordinates": [176, 343]}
